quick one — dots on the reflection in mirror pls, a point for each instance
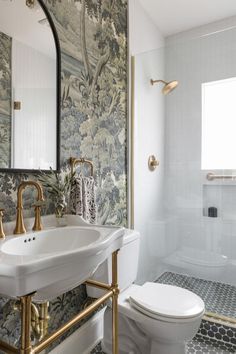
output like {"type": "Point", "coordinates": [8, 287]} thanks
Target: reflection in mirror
{"type": "Point", "coordinates": [28, 92]}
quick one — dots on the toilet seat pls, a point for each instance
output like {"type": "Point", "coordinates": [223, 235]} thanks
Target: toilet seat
{"type": "Point", "coordinates": [167, 302]}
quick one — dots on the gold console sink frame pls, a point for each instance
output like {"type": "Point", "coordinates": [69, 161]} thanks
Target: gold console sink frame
{"type": "Point", "coordinates": [112, 291]}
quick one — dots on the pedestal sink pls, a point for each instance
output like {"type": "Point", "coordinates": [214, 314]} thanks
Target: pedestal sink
{"type": "Point", "coordinates": [55, 260]}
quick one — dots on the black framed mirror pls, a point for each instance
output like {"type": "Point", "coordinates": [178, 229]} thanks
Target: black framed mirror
{"type": "Point", "coordinates": [30, 70]}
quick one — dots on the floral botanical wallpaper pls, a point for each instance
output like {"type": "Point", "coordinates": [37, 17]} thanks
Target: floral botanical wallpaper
{"type": "Point", "coordinates": [93, 39]}
{"type": "Point", "coordinates": [5, 100]}
{"type": "Point", "coordinates": [94, 94]}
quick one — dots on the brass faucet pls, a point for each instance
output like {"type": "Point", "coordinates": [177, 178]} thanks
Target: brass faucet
{"type": "Point", "coordinates": [2, 234]}
{"type": "Point", "coordinates": [20, 227]}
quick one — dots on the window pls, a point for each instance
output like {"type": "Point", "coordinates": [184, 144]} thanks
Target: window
{"type": "Point", "coordinates": [219, 124]}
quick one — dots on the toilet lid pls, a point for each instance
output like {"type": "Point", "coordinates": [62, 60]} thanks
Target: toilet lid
{"type": "Point", "coordinates": [167, 301]}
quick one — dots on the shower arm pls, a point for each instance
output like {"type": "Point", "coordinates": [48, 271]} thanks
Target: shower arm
{"type": "Point", "coordinates": [155, 81]}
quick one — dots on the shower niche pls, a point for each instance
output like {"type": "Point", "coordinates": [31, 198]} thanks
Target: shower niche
{"type": "Point", "coordinates": [222, 198]}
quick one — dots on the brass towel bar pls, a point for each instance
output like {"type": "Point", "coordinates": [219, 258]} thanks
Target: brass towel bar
{"type": "Point", "coordinates": [211, 176]}
{"type": "Point", "coordinates": [74, 161]}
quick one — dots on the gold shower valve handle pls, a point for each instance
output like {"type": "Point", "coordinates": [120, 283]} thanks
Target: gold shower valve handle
{"type": "Point", "coordinates": [153, 163]}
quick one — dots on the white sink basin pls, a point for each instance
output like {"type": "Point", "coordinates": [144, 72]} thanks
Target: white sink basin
{"type": "Point", "coordinates": [63, 240]}
{"type": "Point", "coordinates": [55, 260]}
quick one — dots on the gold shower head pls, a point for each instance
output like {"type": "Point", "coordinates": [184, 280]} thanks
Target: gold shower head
{"type": "Point", "coordinates": [168, 86]}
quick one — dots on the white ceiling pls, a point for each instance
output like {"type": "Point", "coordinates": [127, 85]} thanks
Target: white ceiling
{"type": "Point", "coordinates": [21, 23]}
{"type": "Point", "coordinates": [173, 16]}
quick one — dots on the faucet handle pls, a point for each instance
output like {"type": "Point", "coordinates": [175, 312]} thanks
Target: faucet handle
{"type": "Point", "coordinates": [2, 234]}
{"type": "Point", "coordinates": [37, 221]}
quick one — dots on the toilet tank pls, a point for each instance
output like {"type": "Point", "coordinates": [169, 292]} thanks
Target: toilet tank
{"type": "Point", "coordinates": [127, 265]}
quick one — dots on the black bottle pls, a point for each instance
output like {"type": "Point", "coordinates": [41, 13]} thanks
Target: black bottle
{"type": "Point", "coordinates": [212, 212]}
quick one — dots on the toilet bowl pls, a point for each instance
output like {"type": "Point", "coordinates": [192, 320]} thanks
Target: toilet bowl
{"type": "Point", "coordinates": [153, 318]}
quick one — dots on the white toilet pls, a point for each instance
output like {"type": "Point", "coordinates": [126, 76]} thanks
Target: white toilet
{"type": "Point", "coordinates": [153, 318]}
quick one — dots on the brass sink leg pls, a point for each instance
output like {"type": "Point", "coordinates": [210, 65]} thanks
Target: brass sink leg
{"type": "Point", "coordinates": [43, 319]}
{"type": "Point", "coordinates": [26, 347]}
{"type": "Point", "coordinates": [115, 290]}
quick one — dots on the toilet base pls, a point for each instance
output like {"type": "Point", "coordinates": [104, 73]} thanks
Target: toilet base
{"type": "Point", "coordinates": [167, 348]}
{"type": "Point", "coordinates": [131, 338]}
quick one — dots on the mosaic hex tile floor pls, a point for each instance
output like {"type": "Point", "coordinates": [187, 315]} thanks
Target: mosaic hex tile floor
{"type": "Point", "coordinates": [97, 350]}
{"type": "Point", "coordinates": [212, 338]}
{"type": "Point", "coordinates": [221, 333]}
{"type": "Point", "coordinates": [218, 297]}
{"type": "Point", "coordinates": [198, 345]}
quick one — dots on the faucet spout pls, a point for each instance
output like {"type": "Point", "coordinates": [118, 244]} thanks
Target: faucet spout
{"type": "Point", "coordinates": [20, 227]}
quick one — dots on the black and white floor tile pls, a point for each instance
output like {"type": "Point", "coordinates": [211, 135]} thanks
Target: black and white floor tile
{"type": "Point", "coordinates": [97, 350]}
{"type": "Point", "coordinates": [218, 332]}
{"type": "Point", "coordinates": [199, 345]}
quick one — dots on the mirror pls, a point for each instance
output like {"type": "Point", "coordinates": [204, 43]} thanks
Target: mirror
{"type": "Point", "coordinates": [29, 87]}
